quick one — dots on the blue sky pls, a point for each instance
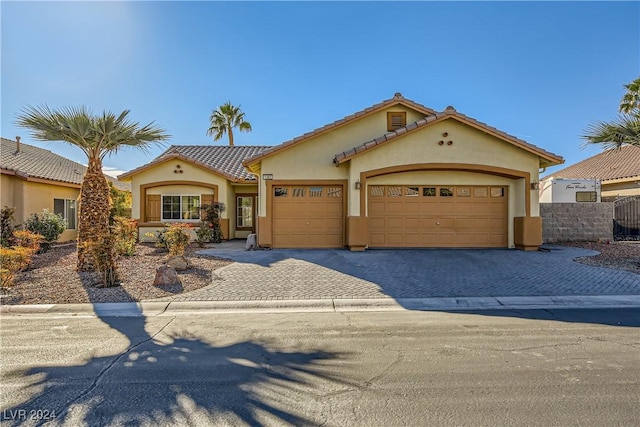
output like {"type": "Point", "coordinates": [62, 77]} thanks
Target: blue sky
{"type": "Point", "coordinates": [541, 71]}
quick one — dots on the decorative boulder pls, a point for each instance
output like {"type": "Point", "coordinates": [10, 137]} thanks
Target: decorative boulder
{"type": "Point", "coordinates": [166, 276]}
{"type": "Point", "coordinates": [178, 262]}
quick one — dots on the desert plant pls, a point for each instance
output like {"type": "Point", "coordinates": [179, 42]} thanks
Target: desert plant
{"type": "Point", "coordinates": [125, 235]}
{"type": "Point", "coordinates": [104, 259]}
{"type": "Point", "coordinates": [12, 261]}
{"type": "Point", "coordinates": [121, 203]}
{"type": "Point", "coordinates": [27, 239]}
{"type": "Point", "coordinates": [49, 225]}
{"type": "Point", "coordinates": [211, 217]}
{"type": "Point", "coordinates": [204, 234]}
{"type": "Point", "coordinates": [176, 238]}
{"type": "Point", "coordinates": [97, 135]}
{"type": "Point", "coordinates": [6, 226]}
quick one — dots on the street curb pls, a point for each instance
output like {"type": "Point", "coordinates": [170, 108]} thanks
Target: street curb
{"type": "Point", "coordinates": [151, 309]}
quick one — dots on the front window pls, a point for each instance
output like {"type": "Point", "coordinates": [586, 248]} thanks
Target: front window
{"type": "Point", "coordinates": [180, 207]}
{"type": "Point", "coordinates": [66, 208]}
{"type": "Point", "coordinates": [245, 212]}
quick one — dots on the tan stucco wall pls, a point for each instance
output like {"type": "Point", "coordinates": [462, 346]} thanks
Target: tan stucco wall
{"type": "Point", "coordinates": [227, 190]}
{"type": "Point", "coordinates": [32, 197]}
{"type": "Point", "coordinates": [165, 172]}
{"type": "Point", "coordinates": [470, 146]}
{"type": "Point", "coordinates": [313, 159]}
{"type": "Point", "coordinates": [621, 189]}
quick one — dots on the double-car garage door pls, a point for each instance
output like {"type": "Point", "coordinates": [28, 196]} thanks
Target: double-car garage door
{"type": "Point", "coordinates": [463, 216]}
{"type": "Point", "coordinates": [437, 216]}
{"type": "Point", "coordinates": [308, 216]}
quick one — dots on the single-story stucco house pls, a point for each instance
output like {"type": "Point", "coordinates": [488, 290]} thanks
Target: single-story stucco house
{"type": "Point", "coordinates": [33, 179]}
{"type": "Point", "coordinates": [397, 174]}
{"type": "Point", "coordinates": [618, 171]}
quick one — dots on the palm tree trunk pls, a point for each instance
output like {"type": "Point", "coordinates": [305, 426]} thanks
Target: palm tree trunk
{"type": "Point", "coordinates": [230, 132]}
{"type": "Point", "coordinates": [93, 221]}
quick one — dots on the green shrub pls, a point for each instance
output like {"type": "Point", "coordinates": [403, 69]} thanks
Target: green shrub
{"type": "Point", "coordinates": [211, 218]}
{"type": "Point", "coordinates": [6, 226]}
{"type": "Point", "coordinates": [175, 238]}
{"type": "Point", "coordinates": [121, 203]}
{"type": "Point", "coordinates": [204, 234]}
{"type": "Point", "coordinates": [47, 224]}
{"type": "Point", "coordinates": [125, 235]}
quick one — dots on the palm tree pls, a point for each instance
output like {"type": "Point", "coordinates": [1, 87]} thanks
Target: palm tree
{"type": "Point", "coordinates": [625, 129]}
{"type": "Point", "coordinates": [97, 136]}
{"type": "Point", "coordinates": [224, 119]}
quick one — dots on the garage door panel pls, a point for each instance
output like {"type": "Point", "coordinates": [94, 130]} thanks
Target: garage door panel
{"type": "Point", "coordinates": [307, 216]}
{"type": "Point", "coordinates": [448, 216]}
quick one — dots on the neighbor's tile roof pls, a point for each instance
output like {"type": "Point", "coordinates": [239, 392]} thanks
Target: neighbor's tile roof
{"type": "Point", "coordinates": [449, 112]}
{"type": "Point", "coordinates": [37, 162]}
{"type": "Point", "coordinates": [608, 165]}
{"type": "Point", "coordinates": [397, 99]}
{"type": "Point", "coordinates": [224, 160]}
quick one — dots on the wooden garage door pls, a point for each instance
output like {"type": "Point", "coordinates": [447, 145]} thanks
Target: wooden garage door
{"type": "Point", "coordinates": [307, 216]}
{"type": "Point", "coordinates": [437, 216]}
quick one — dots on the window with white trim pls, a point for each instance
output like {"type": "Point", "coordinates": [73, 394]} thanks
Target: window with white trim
{"type": "Point", "coordinates": [66, 208]}
{"type": "Point", "coordinates": [244, 212]}
{"type": "Point", "coordinates": [180, 207]}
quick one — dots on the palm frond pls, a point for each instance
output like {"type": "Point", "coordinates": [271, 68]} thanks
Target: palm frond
{"type": "Point", "coordinates": [624, 130]}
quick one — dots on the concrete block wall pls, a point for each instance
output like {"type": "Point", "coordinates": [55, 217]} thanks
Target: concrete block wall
{"type": "Point", "coordinates": [576, 222]}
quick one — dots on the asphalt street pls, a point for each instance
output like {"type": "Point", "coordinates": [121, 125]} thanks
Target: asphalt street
{"type": "Point", "coordinates": [503, 367]}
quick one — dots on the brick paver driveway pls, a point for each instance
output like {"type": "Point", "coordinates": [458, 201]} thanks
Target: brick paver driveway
{"type": "Point", "coordinates": [422, 273]}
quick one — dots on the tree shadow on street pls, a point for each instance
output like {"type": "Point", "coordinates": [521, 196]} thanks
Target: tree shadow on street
{"type": "Point", "coordinates": [178, 379]}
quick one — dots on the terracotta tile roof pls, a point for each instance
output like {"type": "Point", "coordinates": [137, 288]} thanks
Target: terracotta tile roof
{"type": "Point", "coordinates": [37, 162]}
{"type": "Point", "coordinates": [224, 160]}
{"type": "Point", "coordinates": [450, 112]}
{"type": "Point", "coordinates": [397, 99]}
{"type": "Point", "coordinates": [608, 165]}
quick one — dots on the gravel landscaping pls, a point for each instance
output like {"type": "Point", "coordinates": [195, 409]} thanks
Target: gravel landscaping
{"type": "Point", "coordinates": [52, 279]}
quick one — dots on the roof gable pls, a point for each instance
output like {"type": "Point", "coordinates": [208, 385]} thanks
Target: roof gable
{"type": "Point", "coordinates": [546, 158]}
{"type": "Point", "coordinates": [397, 99]}
{"type": "Point", "coordinates": [222, 160]}
{"type": "Point", "coordinates": [30, 161]}
{"type": "Point", "coordinates": [611, 164]}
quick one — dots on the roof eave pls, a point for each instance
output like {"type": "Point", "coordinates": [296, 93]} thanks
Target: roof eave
{"type": "Point", "coordinates": [251, 161]}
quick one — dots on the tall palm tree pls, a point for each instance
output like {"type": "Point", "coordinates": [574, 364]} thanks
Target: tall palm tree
{"type": "Point", "coordinates": [625, 129]}
{"type": "Point", "coordinates": [97, 136]}
{"type": "Point", "coordinates": [224, 119]}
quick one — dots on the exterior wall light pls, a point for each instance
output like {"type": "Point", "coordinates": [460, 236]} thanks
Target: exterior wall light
{"type": "Point", "coordinates": [535, 185]}
{"type": "Point", "coordinates": [358, 185]}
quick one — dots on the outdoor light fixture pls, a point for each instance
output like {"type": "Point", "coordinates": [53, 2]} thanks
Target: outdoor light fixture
{"type": "Point", "coordinates": [358, 185]}
{"type": "Point", "coordinates": [535, 185]}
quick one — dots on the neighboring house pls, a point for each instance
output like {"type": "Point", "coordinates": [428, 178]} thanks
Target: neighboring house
{"type": "Point", "coordinates": [397, 174]}
{"type": "Point", "coordinates": [173, 186]}
{"type": "Point", "coordinates": [33, 179]}
{"type": "Point", "coordinates": [618, 171]}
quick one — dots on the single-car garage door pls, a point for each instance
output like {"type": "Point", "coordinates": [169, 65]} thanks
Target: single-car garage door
{"type": "Point", "coordinates": [307, 216]}
{"type": "Point", "coordinates": [437, 216]}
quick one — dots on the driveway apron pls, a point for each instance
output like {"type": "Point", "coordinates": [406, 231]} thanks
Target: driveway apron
{"type": "Point", "coordinates": [407, 273]}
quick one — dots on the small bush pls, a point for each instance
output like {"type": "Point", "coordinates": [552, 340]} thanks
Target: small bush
{"type": "Point", "coordinates": [27, 239]}
{"type": "Point", "coordinates": [204, 234]}
{"type": "Point", "coordinates": [12, 261]}
{"type": "Point", "coordinates": [6, 226]}
{"type": "Point", "coordinates": [125, 235]}
{"type": "Point", "coordinates": [47, 224]}
{"type": "Point", "coordinates": [211, 215]}
{"type": "Point", "coordinates": [175, 238]}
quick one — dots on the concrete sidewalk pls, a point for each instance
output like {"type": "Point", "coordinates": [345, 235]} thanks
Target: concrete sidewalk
{"type": "Point", "coordinates": [322, 305]}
